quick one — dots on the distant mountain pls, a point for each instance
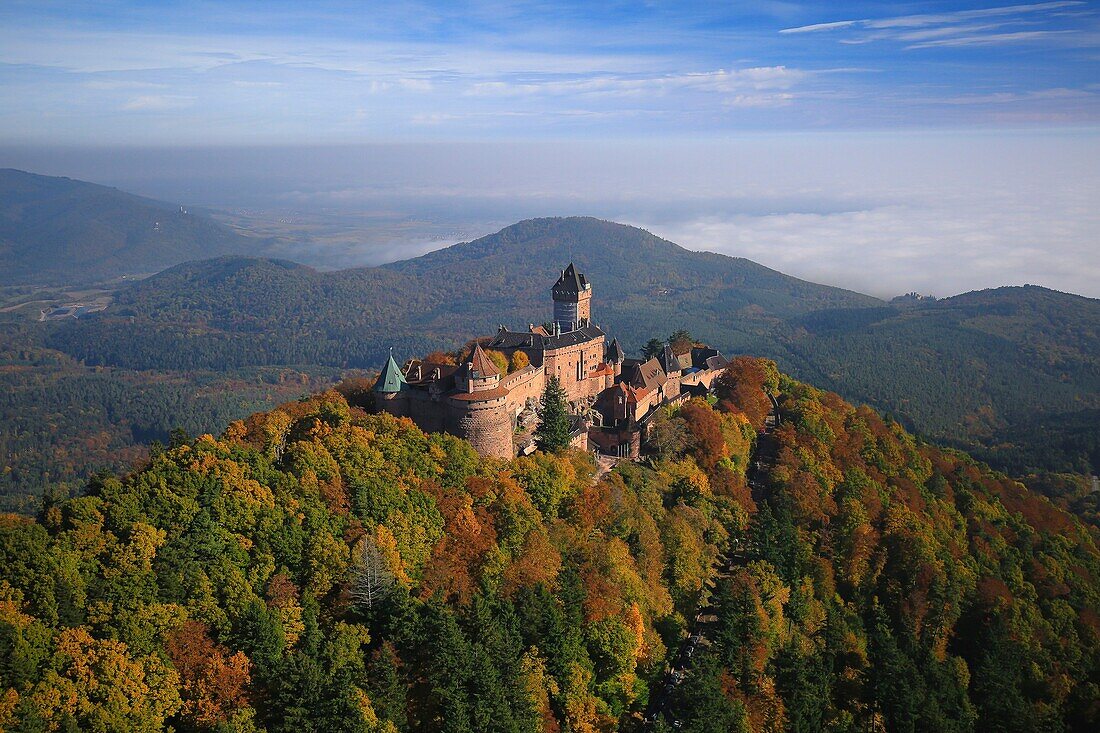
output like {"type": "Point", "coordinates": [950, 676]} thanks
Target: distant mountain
{"type": "Point", "coordinates": [62, 231]}
{"type": "Point", "coordinates": [978, 370]}
{"type": "Point", "coordinates": [995, 370]}
{"type": "Point", "coordinates": [287, 313]}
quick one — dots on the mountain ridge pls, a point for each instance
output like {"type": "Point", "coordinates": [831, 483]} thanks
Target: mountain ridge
{"type": "Point", "coordinates": [56, 230]}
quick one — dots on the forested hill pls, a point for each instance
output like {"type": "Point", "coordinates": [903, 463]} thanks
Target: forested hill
{"type": "Point", "coordinates": [316, 568]}
{"type": "Point", "coordinates": [64, 231]}
{"type": "Point", "coordinates": [643, 286]}
{"type": "Point", "coordinates": [624, 263]}
{"type": "Point", "coordinates": [1012, 372]}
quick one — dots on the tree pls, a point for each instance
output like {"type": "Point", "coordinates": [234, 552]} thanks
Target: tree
{"type": "Point", "coordinates": [552, 433]}
{"type": "Point", "coordinates": [652, 348]}
{"type": "Point", "coordinates": [213, 683]}
{"type": "Point", "coordinates": [373, 579]}
{"type": "Point", "coordinates": [681, 341]}
{"type": "Point", "coordinates": [667, 437]}
{"type": "Point", "coordinates": [519, 361]}
{"type": "Point", "coordinates": [498, 359]}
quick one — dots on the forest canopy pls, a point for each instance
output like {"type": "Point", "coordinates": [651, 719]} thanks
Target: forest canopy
{"type": "Point", "coordinates": [318, 568]}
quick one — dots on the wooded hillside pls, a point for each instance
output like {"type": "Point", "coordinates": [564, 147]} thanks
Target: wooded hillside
{"type": "Point", "coordinates": [316, 568]}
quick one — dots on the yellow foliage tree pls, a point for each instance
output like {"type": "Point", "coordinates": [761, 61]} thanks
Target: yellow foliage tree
{"type": "Point", "coordinates": [99, 686]}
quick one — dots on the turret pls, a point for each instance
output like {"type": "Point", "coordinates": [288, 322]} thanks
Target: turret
{"type": "Point", "coordinates": [479, 373]}
{"type": "Point", "coordinates": [572, 295]}
{"type": "Point", "coordinates": [615, 357]}
{"type": "Point", "coordinates": [390, 389]}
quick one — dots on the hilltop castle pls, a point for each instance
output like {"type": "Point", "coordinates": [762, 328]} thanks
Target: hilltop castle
{"type": "Point", "coordinates": [612, 397]}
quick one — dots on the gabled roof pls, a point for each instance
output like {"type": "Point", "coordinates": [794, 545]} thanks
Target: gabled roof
{"type": "Point", "coordinates": [648, 375]}
{"type": "Point", "coordinates": [391, 379]}
{"type": "Point", "coordinates": [571, 282]}
{"type": "Point", "coordinates": [419, 372]}
{"type": "Point", "coordinates": [673, 362]}
{"type": "Point", "coordinates": [481, 365]}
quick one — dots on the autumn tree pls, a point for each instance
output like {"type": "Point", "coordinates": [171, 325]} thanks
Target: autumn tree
{"type": "Point", "coordinates": [741, 389]}
{"type": "Point", "coordinates": [214, 682]}
{"type": "Point", "coordinates": [681, 341]}
{"type": "Point", "coordinates": [552, 433]}
{"type": "Point", "coordinates": [358, 391]}
{"type": "Point", "coordinates": [667, 436]}
{"type": "Point", "coordinates": [439, 357]}
{"type": "Point", "coordinates": [519, 361]}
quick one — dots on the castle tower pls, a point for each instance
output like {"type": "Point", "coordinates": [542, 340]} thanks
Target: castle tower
{"type": "Point", "coordinates": [478, 374]}
{"type": "Point", "coordinates": [478, 410]}
{"type": "Point", "coordinates": [615, 357]}
{"type": "Point", "coordinates": [390, 391]}
{"type": "Point", "coordinates": [572, 300]}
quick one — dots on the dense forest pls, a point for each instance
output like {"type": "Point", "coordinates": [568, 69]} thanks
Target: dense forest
{"type": "Point", "coordinates": [979, 370]}
{"type": "Point", "coordinates": [60, 421]}
{"type": "Point", "coordinates": [317, 568]}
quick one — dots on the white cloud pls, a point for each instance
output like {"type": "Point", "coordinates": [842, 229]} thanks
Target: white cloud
{"type": "Point", "coordinates": [158, 103]}
{"type": "Point", "coordinates": [720, 81]}
{"type": "Point", "coordinates": [990, 39]}
{"type": "Point", "coordinates": [927, 19]}
{"type": "Point", "coordinates": [116, 84]}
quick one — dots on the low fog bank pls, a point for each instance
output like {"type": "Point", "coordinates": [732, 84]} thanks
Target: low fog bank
{"type": "Point", "coordinates": [883, 214]}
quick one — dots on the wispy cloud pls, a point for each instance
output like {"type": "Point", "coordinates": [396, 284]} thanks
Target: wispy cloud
{"type": "Point", "coordinates": [926, 19]}
{"type": "Point", "coordinates": [321, 71]}
{"type": "Point", "coordinates": [158, 103]}
{"type": "Point", "coordinates": [719, 81]}
{"type": "Point", "coordinates": [982, 26]}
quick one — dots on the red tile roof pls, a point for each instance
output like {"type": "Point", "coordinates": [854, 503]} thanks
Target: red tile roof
{"type": "Point", "coordinates": [483, 366]}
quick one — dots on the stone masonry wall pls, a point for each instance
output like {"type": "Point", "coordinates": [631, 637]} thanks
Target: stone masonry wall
{"type": "Point", "coordinates": [524, 385]}
{"type": "Point", "coordinates": [562, 363]}
{"type": "Point", "coordinates": [486, 425]}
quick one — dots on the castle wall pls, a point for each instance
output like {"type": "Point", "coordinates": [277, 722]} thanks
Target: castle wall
{"type": "Point", "coordinates": [562, 363]}
{"type": "Point", "coordinates": [625, 443]}
{"type": "Point", "coordinates": [395, 403]}
{"type": "Point", "coordinates": [425, 412]}
{"type": "Point", "coordinates": [525, 385]}
{"type": "Point", "coordinates": [704, 377]}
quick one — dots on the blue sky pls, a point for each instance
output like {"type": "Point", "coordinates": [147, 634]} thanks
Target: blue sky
{"type": "Point", "coordinates": [155, 73]}
{"type": "Point", "coordinates": [886, 147]}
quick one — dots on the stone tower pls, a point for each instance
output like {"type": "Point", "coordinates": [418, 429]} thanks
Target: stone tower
{"type": "Point", "coordinates": [391, 390]}
{"type": "Point", "coordinates": [478, 407]}
{"type": "Point", "coordinates": [572, 300]}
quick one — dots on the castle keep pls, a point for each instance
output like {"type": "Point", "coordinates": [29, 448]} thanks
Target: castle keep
{"type": "Point", "coordinates": [611, 396]}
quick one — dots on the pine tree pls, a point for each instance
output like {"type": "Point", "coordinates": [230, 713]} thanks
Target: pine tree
{"type": "Point", "coordinates": [653, 348]}
{"type": "Point", "coordinates": [552, 433]}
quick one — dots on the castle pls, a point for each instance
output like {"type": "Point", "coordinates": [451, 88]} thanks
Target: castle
{"type": "Point", "coordinates": [611, 397]}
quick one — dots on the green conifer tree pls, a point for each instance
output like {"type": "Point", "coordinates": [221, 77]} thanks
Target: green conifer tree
{"type": "Point", "coordinates": [552, 433]}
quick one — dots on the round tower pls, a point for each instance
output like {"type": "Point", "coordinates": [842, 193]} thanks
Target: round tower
{"type": "Point", "coordinates": [478, 408]}
{"type": "Point", "coordinates": [572, 295]}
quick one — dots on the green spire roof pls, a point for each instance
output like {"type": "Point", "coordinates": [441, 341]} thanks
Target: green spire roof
{"type": "Point", "coordinates": [391, 379]}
